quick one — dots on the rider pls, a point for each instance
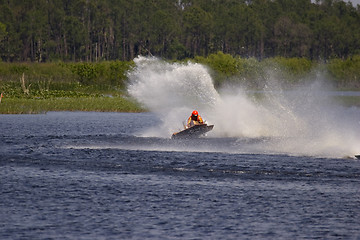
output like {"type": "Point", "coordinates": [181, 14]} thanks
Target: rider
{"type": "Point", "coordinates": [194, 119]}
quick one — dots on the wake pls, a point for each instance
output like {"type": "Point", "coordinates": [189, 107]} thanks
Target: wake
{"type": "Point", "coordinates": [303, 121]}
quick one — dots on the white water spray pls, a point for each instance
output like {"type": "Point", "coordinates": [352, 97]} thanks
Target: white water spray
{"type": "Point", "coordinates": [303, 121]}
{"type": "Point", "coordinates": [171, 91]}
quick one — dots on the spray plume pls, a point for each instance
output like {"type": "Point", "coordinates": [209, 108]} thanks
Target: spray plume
{"type": "Point", "coordinates": [301, 121]}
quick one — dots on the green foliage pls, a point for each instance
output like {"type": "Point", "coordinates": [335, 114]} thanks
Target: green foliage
{"type": "Point", "coordinates": [35, 72]}
{"type": "Point", "coordinates": [86, 72]}
{"type": "Point", "coordinates": [117, 72]}
{"type": "Point", "coordinates": [101, 86]}
{"type": "Point", "coordinates": [346, 72]}
{"type": "Point", "coordinates": [3, 32]}
{"type": "Point", "coordinates": [294, 66]}
{"type": "Point", "coordinates": [18, 69]}
{"type": "Point", "coordinates": [48, 81]}
{"type": "Point", "coordinates": [101, 104]}
{"type": "Point", "coordinates": [290, 70]}
{"type": "Point", "coordinates": [251, 71]}
{"type": "Point", "coordinates": [103, 73]}
{"type": "Point", "coordinates": [94, 31]}
{"type": "Point", "coordinates": [45, 77]}
{"type": "Point", "coordinates": [224, 65]}
{"type": "Point", "coordinates": [65, 86]}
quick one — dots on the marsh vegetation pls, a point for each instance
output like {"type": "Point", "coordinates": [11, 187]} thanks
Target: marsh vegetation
{"type": "Point", "coordinates": [102, 86]}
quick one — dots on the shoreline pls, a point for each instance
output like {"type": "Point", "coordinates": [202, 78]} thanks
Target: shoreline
{"type": "Point", "coordinates": [85, 104]}
{"type": "Point", "coordinates": [100, 104]}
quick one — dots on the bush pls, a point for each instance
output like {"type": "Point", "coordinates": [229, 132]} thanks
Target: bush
{"type": "Point", "coordinates": [345, 72]}
{"type": "Point", "coordinates": [253, 72]}
{"type": "Point", "coordinates": [111, 73]}
{"type": "Point", "coordinates": [224, 66]}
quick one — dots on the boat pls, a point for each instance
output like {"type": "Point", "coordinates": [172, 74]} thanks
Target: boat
{"type": "Point", "coordinates": [194, 131]}
{"type": "Point", "coordinates": [357, 156]}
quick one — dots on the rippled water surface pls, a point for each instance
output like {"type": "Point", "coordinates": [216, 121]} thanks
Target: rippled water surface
{"type": "Point", "coordinates": [93, 176]}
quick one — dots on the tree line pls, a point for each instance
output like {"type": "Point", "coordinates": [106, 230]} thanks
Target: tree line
{"type": "Point", "coordinates": [96, 30]}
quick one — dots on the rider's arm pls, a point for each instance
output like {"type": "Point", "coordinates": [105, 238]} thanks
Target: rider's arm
{"type": "Point", "coordinates": [201, 120]}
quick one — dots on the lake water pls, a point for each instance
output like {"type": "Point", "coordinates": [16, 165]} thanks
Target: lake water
{"type": "Point", "coordinates": [75, 175]}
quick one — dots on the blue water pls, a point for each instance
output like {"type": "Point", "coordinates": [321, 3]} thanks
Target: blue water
{"type": "Point", "coordinates": [74, 175]}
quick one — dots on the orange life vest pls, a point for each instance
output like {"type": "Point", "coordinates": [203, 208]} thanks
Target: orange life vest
{"type": "Point", "coordinates": [198, 119]}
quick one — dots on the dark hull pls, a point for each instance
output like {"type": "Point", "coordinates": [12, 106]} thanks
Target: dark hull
{"type": "Point", "coordinates": [193, 132]}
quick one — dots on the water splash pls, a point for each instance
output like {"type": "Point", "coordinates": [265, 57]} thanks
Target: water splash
{"type": "Point", "coordinates": [172, 91]}
{"type": "Point", "coordinates": [301, 121]}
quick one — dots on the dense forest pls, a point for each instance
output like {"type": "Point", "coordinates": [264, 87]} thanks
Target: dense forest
{"type": "Point", "coordinates": [94, 30]}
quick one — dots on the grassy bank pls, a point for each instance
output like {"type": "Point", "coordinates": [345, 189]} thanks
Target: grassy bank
{"type": "Point", "coordinates": [99, 104]}
{"type": "Point", "coordinates": [340, 73]}
{"type": "Point", "coordinates": [39, 88]}
{"type": "Point", "coordinates": [42, 87]}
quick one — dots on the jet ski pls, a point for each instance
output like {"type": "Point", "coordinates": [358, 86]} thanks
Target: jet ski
{"type": "Point", "coordinates": [194, 131]}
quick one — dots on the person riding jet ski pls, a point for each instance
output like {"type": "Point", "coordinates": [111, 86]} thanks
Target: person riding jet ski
{"type": "Point", "coordinates": [194, 119]}
{"type": "Point", "coordinates": [196, 127]}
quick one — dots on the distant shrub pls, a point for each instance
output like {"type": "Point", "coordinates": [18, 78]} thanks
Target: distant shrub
{"type": "Point", "coordinates": [345, 72]}
{"type": "Point", "coordinates": [86, 72]}
{"type": "Point", "coordinates": [111, 73]}
{"type": "Point", "coordinates": [294, 66]}
{"type": "Point", "coordinates": [223, 65]}
{"type": "Point", "coordinates": [253, 72]}
{"type": "Point", "coordinates": [117, 72]}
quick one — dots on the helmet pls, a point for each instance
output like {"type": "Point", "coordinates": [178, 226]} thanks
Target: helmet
{"type": "Point", "coordinates": [195, 113]}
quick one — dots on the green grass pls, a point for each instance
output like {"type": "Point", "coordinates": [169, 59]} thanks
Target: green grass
{"type": "Point", "coordinates": [98, 104]}
{"type": "Point", "coordinates": [43, 87]}
{"type": "Point", "coordinates": [39, 96]}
